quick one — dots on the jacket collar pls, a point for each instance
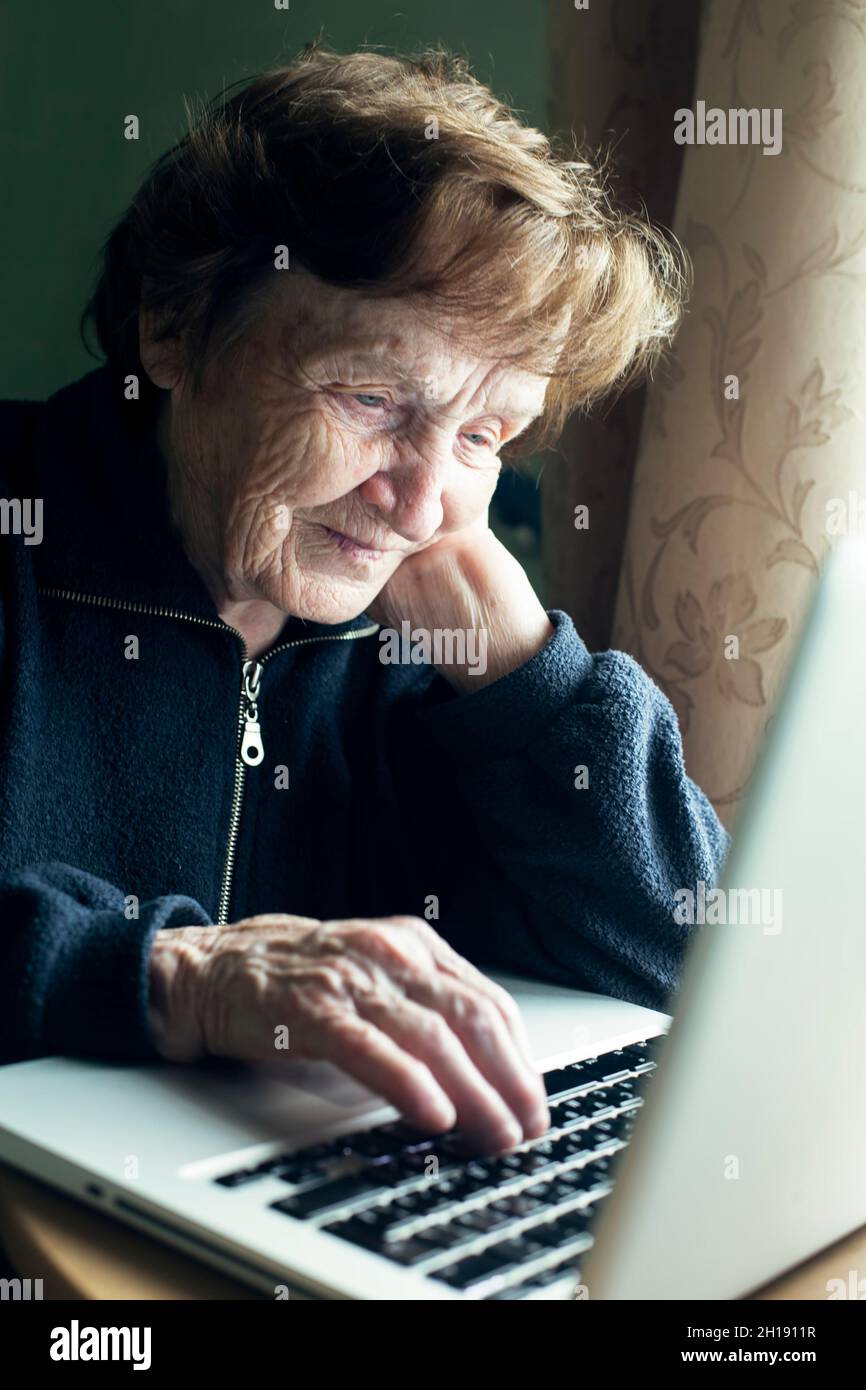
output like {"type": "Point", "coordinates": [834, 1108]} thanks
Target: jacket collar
{"type": "Point", "coordinates": [107, 529]}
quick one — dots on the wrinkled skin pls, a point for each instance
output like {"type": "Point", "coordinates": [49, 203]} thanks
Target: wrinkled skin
{"type": "Point", "coordinates": [388, 1001]}
{"type": "Point", "coordinates": [341, 460]}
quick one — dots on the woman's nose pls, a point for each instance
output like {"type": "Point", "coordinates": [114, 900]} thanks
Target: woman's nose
{"type": "Point", "coordinates": [409, 498]}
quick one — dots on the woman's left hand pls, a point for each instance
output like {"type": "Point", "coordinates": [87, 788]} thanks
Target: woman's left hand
{"type": "Point", "coordinates": [468, 581]}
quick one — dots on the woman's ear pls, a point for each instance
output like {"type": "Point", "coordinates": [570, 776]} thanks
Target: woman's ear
{"type": "Point", "coordinates": [162, 358]}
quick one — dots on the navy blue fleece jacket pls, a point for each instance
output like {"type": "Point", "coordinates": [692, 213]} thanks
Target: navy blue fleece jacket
{"type": "Point", "coordinates": [124, 807]}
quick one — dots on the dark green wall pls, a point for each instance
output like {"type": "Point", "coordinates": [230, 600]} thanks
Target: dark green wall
{"type": "Point", "coordinates": [70, 72]}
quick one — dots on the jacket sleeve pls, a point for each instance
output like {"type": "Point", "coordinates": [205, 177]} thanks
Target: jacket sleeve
{"type": "Point", "coordinates": [74, 968]}
{"type": "Point", "coordinates": [540, 873]}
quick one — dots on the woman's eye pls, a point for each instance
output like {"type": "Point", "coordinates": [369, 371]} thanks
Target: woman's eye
{"type": "Point", "coordinates": [372, 402]}
{"type": "Point", "coordinates": [480, 440]}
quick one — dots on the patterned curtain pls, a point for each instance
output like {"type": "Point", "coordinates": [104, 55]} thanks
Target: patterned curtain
{"type": "Point", "coordinates": [751, 454]}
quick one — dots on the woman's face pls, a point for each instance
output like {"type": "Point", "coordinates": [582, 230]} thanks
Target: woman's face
{"type": "Point", "coordinates": [343, 435]}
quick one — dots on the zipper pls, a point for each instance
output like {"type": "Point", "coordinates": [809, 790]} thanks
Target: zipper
{"type": "Point", "coordinates": [250, 748]}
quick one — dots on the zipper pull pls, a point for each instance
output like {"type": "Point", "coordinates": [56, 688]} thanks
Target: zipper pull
{"type": "Point", "coordinates": [252, 749]}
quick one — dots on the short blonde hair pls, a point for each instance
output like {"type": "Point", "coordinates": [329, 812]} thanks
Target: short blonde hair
{"type": "Point", "coordinates": [395, 175]}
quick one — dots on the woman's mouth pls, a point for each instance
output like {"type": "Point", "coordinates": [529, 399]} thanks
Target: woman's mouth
{"type": "Point", "coordinates": [349, 545]}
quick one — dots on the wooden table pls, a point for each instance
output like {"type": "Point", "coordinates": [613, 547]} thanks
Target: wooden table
{"type": "Point", "coordinates": [78, 1253]}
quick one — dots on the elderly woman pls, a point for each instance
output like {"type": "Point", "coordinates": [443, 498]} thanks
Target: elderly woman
{"type": "Point", "coordinates": [351, 289]}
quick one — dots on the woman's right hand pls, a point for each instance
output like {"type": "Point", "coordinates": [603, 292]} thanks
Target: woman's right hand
{"type": "Point", "coordinates": [385, 999]}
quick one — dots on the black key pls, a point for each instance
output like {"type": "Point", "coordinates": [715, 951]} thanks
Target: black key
{"type": "Point", "coordinates": [359, 1233]}
{"type": "Point", "coordinates": [573, 1145]}
{"type": "Point", "coordinates": [590, 1176]}
{"type": "Point", "coordinates": [551, 1237]}
{"type": "Point", "coordinates": [616, 1074]}
{"type": "Point", "coordinates": [301, 1166]}
{"type": "Point", "coordinates": [519, 1206]}
{"type": "Point", "coordinates": [571, 1110]}
{"type": "Point", "coordinates": [484, 1219]}
{"type": "Point", "coordinates": [470, 1274]}
{"type": "Point", "coordinates": [554, 1235]}
{"type": "Point", "coordinates": [518, 1250]}
{"type": "Point", "coordinates": [502, 1170]}
{"type": "Point", "coordinates": [448, 1188]}
{"type": "Point", "coordinates": [598, 1105]}
{"type": "Point", "coordinates": [622, 1063]}
{"type": "Point", "coordinates": [567, 1146]}
{"type": "Point", "coordinates": [578, 1222]}
{"type": "Point", "coordinates": [372, 1143]}
{"type": "Point", "coordinates": [270, 1165]}
{"type": "Point", "coordinates": [439, 1238]}
{"type": "Point", "coordinates": [239, 1178]}
{"type": "Point", "coordinates": [297, 1171]}
{"type": "Point", "coordinates": [602, 1168]}
{"type": "Point", "coordinates": [623, 1084]}
{"type": "Point", "coordinates": [568, 1181]}
{"type": "Point", "coordinates": [558, 1082]}
{"type": "Point", "coordinates": [506, 1208]}
{"type": "Point", "coordinates": [407, 1252]}
{"type": "Point", "coordinates": [543, 1146]}
{"type": "Point", "coordinates": [605, 1131]}
{"type": "Point", "coordinates": [467, 1189]}
{"type": "Point", "coordinates": [317, 1152]}
{"type": "Point", "coordinates": [643, 1056]}
{"type": "Point", "coordinates": [531, 1164]}
{"type": "Point", "coordinates": [318, 1200]}
{"type": "Point", "coordinates": [481, 1169]}
{"type": "Point", "coordinates": [371, 1219]}
{"type": "Point", "coordinates": [579, 1103]}
{"type": "Point", "coordinates": [557, 1192]}
{"type": "Point", "coordinates": [410, 1204]}
{"type": "Point", "coordinates": [599, 1069]}
{"type": "Point", "coordinates": [434, 1199]}
{"type": "Point", "coordinates": [510, 1164]}
{"type": "Point", "coordinates": [501, 1207]}
{"type": "Point", "coordinates": [629, 1103]}
{"type": "Point", "coordinates": [596, 1072]}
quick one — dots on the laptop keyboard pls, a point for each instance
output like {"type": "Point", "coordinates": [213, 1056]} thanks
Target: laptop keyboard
{"type": "Point", "coordinates": [509, 1227]}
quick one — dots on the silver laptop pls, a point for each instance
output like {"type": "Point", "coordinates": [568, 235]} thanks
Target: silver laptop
{"type": "Point", "coordinates": [695, 1165]}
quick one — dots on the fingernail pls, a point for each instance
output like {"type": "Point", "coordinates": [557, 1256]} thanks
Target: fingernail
{"type": "Point", "coordinates": [446, 1115]}
{"type": "Point", "coordinates": [514, 1134]}
{"type": "Point", "coordinates": [541, 1118]}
